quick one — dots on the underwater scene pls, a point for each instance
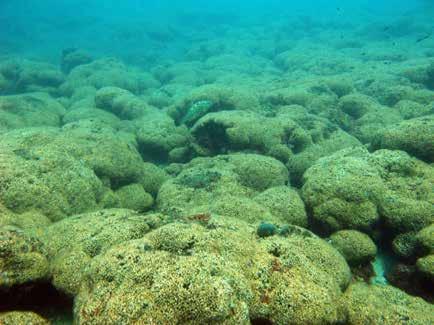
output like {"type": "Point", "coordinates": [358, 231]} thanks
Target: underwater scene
{"type": "Point", "coordinates": [260, 162]}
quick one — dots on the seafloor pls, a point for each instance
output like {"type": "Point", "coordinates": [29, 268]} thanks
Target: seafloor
{"type": "Point", "coordinates": [278, 174]}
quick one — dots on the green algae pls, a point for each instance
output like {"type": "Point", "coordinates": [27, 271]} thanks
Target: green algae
{"type": "Point", "coordinates": [190, 187]}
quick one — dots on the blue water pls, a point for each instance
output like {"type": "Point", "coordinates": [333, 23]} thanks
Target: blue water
{"type": "Point", "coordinates": [41, 29]}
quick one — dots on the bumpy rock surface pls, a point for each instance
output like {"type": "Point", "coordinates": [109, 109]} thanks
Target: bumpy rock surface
{"type": "Point", "coordinates": [72, 243]}
{"type": "Point", "coordinates": [105, 73]}
{"type": "Point", "coordinates": [378, 304]}
{"type": "Point", "coordinates": [29, 110]}
{"type": "Point", "coordinates": [73, 170]}
{"type": "Point", "coordinates": [22, 317]}
{"type": "Point", "coordinates": [354, 189]}
{"type": "Point", "coordinates": [292, 136]}
{"type": "Point", "coordinates": [229, 185]}
{"type": "Point", "coordinates": [284, 202]}
{"type": "Point", "coordinates": [160, 140]}
{"type": "Point", "coordinates": [219, 273]}
{"type": "Point", "coordinates": [415, 136]}
{"type": "Point", "coordinates": [22, 258]}
{"type": "Point", "coordinates": [22, 76]}
{"type": "Point", "coordinates": [212, 98]}
{"type": "Point", "coordinates": [356, 247]}
{"type": "Point", "coordinates": [37, 178]}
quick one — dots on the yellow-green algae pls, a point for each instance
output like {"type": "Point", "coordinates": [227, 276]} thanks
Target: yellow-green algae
{"type": "Point", "coordinates": [217, 273]}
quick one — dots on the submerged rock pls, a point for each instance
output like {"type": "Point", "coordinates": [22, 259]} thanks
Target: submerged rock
{"type": "Point", "coordinates": [196, 274]}
{"type": "Point", "coordinates": [107, 72]}
{"type": "Point", "coordinates": [20, 76]}
{"type": "Point", "coordinates": [22, 258]}
{"type": "Point", "coordinates": [374, 304]}
{"type": "Point", "coordinates": [415, 136]}
{"type": "Point", "coordinates": [22, 317]}
{"type": "Point", "coordinates": [29, 110]}
{"type": "Point", "coordinates": [72, 58]}
{"type": "Point", "coordinates": [245, 186]}
{"type": "Point", "coordinates": [354, 189]}
{"type": "Point", "coordinates": [72, 243]}
{"type": "Point", "coordinates": [357, 248]}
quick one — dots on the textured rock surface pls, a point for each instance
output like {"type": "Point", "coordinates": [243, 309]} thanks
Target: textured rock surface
{"type": "Point", "coordinates": [218, 273]}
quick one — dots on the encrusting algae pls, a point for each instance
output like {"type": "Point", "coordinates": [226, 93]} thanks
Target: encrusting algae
{"type": "Point", "coordinates": [186, 165]}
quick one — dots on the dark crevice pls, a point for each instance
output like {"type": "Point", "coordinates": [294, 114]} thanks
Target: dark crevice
{"type": "Point", "coordinates": [213, 137]}
{"type": "Point", "coordinates": [153, 153]}
{"type": "Point", "coordinates": [41, 298]}
{"type": "Point", "coordinates": [261, 321]}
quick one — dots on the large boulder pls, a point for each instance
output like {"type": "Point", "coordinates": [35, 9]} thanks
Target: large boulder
{"type": "Point", "coordinates": [29, 110]}
{"type": "Point", "coordinates": [215, 273]}
{"type": "Point", "coordinates": [354, 189]}
{"type": "Point", "coordinates": [22, 258]}
{"type": "Point", "coordinates": [73, 242]}
{"type": "Point", "coordinates": [357, 247]}
{"type": "Point", "coordinates": [384, 304]}
{"type": "Point", "coordinates": [415, 136]}
{"type": "Point", "coordinates": [105, 73]}
{"type": "Point", "coordinates": [233, 185]}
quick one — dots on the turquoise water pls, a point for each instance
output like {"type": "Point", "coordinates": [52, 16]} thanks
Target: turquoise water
{"type": "Point", "coordinates": [227, 162]}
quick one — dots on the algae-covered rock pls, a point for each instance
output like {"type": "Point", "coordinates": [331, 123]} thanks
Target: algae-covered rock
{"type": "Point", "coordinates": [31, 220]}
{"type": "Point", "coordinates": [384, 304]}
{"type": "Point", "coordinates": [73, 242]}
{"type": "Point", "coordinates": [29, 110]}
{"type": "Point", "coordinates": [91, 114]}
{"type": "Point", "coordinates": [22, 76]}
{"type": "Point", "coordinates": [258, 172]}
{"type": "Point", "coordinates": [415, 136]}
{"type": "Point", "coordinates": [106, 73]}
{"type": "Point", "coordinates": [72, 58]}
{"type": "Point", "coordinates": [36, 76]}
{"type": "Point", "coordinates": [152, 177]}
{"type": "Point", "coordinates": [69, 171]}
{"type": "Point", "coordinates": [341, 189]}
{"type": "Point", "coordinates": [356, 105]}
{"type": "Point", "coordinates": [353, 189]}
{"type": "Point", "coordinates": [158, 138]}
{"type": "Point", "coordinates": [120, 102]}
{"type": "Point", "coordinates": [284, 202]}
{"type": "Point", "coordinates": [218, 273]}
{"type": "Point", "coordinates": [37, 178]}
{"type": "Point", "coordinates": [425, 248]}
{"type": "Point", "coordinates": [228, 131]}
{"type": "Point", "coordinates": [227, 185]}
{"type": "Point", "coordinates": [22, 258]}
{"type": "Point", "coordinates": [332, 142]}
{"type": "Point", "coordinates": [425, 265]}
{"type": "Point", "coordinates": [292, 136]}
{"type": "Point", "coordinates": [410, 109]}
{"type": "Point", "coordinates": [423, 75]}
{"type": "Point", "coordinates": [4, 84]}
{"type": "Point", "coordinates": [134, 197]}
{"type": "Point", "coordinates": [357, 247]}
{"type": "Point", "coordinates": [212, 98]}
{"type": "Point", "coordinates": [406, 245]}
{"type": "Point", "coordinates": [362, 116]}
{"type": "Point", "coordinates": [111, 154]}
{"type": "Point", "coordinates": [425, 238]}
{"type": "Point", "coordinates": [22, 317]}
